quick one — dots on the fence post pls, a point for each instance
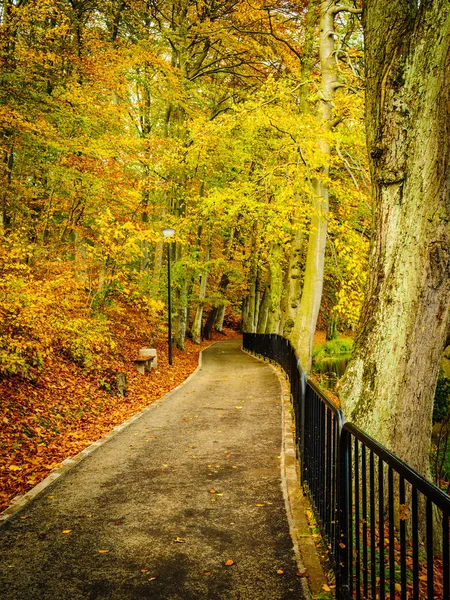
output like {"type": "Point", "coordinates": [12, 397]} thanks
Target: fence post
{"type": "Point", "coordinates": [302, 402]}
{"type": "Point", "coordinates": [343, 503]}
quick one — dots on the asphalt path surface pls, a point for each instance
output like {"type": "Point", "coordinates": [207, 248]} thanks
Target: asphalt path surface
{"type": "Point", "coordinates": [184, 503]}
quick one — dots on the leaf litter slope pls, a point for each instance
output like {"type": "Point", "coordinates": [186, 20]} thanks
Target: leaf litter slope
{"type": "Point", "coordinates": [64, 408]}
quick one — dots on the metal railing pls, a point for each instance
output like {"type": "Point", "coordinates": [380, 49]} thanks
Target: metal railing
{"type": "Point", "coordinates": [386, 527]}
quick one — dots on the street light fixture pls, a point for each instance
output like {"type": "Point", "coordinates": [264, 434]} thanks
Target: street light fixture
{"type": "Point", "coordinates": [169, 233]}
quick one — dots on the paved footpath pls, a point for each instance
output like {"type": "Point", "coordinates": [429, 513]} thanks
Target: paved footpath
{"type": "Point", "coordinates": [158, 510]}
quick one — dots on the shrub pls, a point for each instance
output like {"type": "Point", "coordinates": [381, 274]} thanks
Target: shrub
{"type": "Point", "coordinates": [441, 406]}
{"type": "Point", "coordinates": [335, 348]}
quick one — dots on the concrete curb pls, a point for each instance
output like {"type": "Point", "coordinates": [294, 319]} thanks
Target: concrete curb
{"type": "Point", "coordinates": [21, 501]}
{"type": "Point", "coordinates": [309, 565]}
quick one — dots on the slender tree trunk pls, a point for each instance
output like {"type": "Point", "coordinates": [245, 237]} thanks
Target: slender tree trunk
{"type": "Point", "coordinates": [305, 323]}
{"type": "Point", "coordinates": [144, 243]}
{"type": "Point", "coordinates": [196, 329]}
{"type": "Point", "coordinates": [389, 385]}
{"type": "Point", "coordinates": [263, 314]}
{"type": "Point", "coordinates": [251, 305]}
{"type": "Point", "coordinates": [292, 285]}
{"type": "Point", "coordinates": [180, 301]}
{"type": "Point", "coordinates": [217, 314]}
{"type": "Point", "coordinates": [157, 268]}
{"type": "Point", "coordinates": [276, 284]}
{"type": "Point", "coordinates": [218, 323]}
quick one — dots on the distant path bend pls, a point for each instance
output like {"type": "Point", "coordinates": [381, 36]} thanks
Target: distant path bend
{"type": "Point", "coordinates": [157, 511]}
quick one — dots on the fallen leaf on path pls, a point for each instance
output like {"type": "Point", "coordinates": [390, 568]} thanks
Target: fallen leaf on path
{"type": "Point", "coordinates": [326, 588]}
{"type": "Point", "coordinates": [103, 551]}
{"type": "Point", "coordinates": [144, 570]}
{"type": "Point", "coordinates": [152, 578]}
{"type": "Point", "coordinates": [213, 491]}
{"type": "Point", "coordinates": [66, 530]}
{"type": "Point", "coordinates": [14, 468]}
{"type": "Point", "coordinates": [280, 572]}
{"type": "Point", "coordinates": [229, 562]}
{"type": "Point", "coordinates": [259, 504]}
{"type": "Point", "coordinates": [179, 540]}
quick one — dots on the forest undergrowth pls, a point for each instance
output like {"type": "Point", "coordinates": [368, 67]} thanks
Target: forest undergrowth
{"type": "Point", "coordinates": [62, 407]}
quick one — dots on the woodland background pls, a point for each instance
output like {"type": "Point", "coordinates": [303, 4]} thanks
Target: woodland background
{"type": "Point", "coordinates": [120, 118]}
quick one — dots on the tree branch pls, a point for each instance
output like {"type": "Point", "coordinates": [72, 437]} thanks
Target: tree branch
{"type": "Point", "coordinates": [342, 8]}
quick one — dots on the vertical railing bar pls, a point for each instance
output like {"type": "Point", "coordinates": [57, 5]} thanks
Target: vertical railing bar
{"type": "Point", "coordinates": [319, 455]}
{"type": "Point", "coordinates": [350, 517]}
{"type": "Point", "coordinates": [364, 517]}
{"type": "Point", "coordinates": [446, 555]}
{"type": "Point", "coordinates": [329, 507]}
{"type": "Point", "coordinates": [382, 593]}
{"type": "Point", "coordinates": [343, 574]}
{"type": "Point", "coordinates": [430, 561]}
{"type": "Point", "coordinates": [373, 565]}
{"type": "Point", "coordinates": [313, 474]}
{"type": "Point", "coordinates": [333, 489]}
{"type": "Point", "coordinates": [415, 542]}
{"type": "Point", "coordinates": [357, 524]}
{"type": "Point", "coordinates": [302, 398]}
{"type": "Point", "coordinates": [391, 533]}
{"type": "Point", "coordinates": [402, 510]}
{"type": "Point", "coordinates": [322, 451]}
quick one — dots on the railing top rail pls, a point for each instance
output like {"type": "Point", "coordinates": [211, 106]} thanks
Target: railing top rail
{"type": "Point", "coordinates": [327, 401]}
{"type": "Point", "coordinates": [436, 495]}
{"type": "Point", "coordinates": [431, 491]}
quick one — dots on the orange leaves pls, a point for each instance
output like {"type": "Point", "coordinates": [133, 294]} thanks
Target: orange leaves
{"type": "Point", "coordinates": [64, 409]}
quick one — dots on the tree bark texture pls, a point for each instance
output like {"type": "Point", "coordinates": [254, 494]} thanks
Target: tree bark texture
{"type": "Point", "coordinates": [180, 300]}
{"type": "Point", "coordinates": [196, 329]}
{"type": "Point", "coordinates": [252, 303]}
{"type": "Point", "coordinates": [388, 388]}
{"type": "Point", "coordinates": [264, 308]}
{"type": "Point", "coordinates": [292, 285]}
{"type": "Point", "coordinates": [276, 282]}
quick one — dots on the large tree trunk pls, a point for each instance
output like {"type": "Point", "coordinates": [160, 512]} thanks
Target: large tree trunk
{"type": "Point", "coordinates": [389, 385]}
{"type": "Point", "coordinates": [302, 335]}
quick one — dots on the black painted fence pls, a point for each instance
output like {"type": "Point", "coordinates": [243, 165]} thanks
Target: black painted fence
{"type": "Point", "coordinates": [386, 527]}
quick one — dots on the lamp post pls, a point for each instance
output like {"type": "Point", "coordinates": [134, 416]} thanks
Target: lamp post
{"type": "Point", "coordinates": [169, 233]}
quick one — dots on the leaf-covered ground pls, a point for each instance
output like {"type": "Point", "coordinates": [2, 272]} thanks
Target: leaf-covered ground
{"type": "Point", "coordinates": [63, 408]}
